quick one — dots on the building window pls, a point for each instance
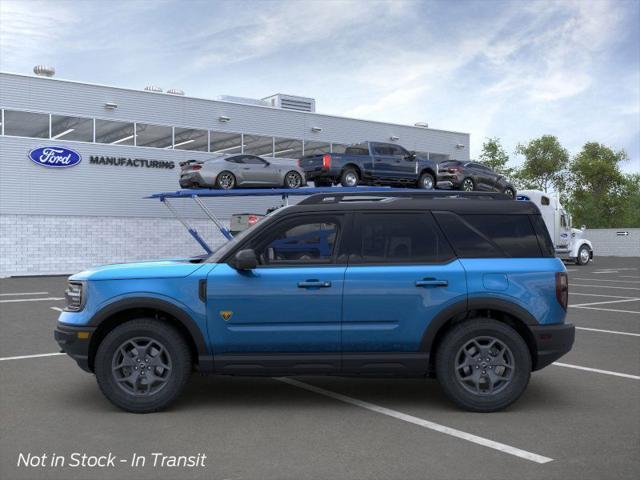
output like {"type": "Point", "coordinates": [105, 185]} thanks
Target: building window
{"type": "Point", "coordinates": [71, 128]}
{"type": "Point", "coordinates": [115, 133]}
{"type": "Point", "coordinates": [227, 143]}
{"type": "Point", "coordinates": [287, 148]}
{"type": "Point", "coordinates": [26, 124]}
{"type": "Point", "coordinates": [191, 139]}
{"type": "Point", "coordinates": [258, 145]}
{"type": "Point", "coordinates": [157, 136]}
{"type": "Point", "coordinates": [316, 148]}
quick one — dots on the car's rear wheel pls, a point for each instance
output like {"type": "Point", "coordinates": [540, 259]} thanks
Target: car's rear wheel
{"type": "Point", "coordinates": [584, 255]}
{"type": "Point", "coordinates": [225, 180]}
{"type": "Point", "coordinates": [426, 182]}
{"type": "Point", "coordinates": [142, 365]}
{"type": "Point", "coordinates": [483, 365]}
{"type": "Point", "coordinates": [509, 192]}
{"type": "Point", "coordinates": [468, 185]}
{"type": "Point", "coordinates": [349, 178]}
{"type": "Point", "coordinates": [293, 179]}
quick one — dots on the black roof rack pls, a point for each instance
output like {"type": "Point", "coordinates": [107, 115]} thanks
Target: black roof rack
{"type": "Point", "coordinates": [377, 196]}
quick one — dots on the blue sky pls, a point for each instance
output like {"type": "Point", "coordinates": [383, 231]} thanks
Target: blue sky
{"type": "Point", "coordinates": [511, 69]}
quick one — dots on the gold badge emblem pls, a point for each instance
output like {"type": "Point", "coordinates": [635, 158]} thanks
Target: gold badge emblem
{"type": "Point", "coordinates": [226, 314]}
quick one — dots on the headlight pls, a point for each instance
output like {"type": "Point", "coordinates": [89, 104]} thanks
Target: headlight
{"type": "Point", "coordinates": [74, 297]}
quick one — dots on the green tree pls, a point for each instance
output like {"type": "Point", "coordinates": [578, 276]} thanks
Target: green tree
{"type": "Point", "coordinates": [600, 195]}
{"type": "Point", "coordinates": [494, 156]}
{"type": "Point", "coordinates": [544, 165]}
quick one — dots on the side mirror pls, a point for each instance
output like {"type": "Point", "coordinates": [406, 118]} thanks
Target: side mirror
{"type": "Point", "coordinates": [411, 156]}
{"type": "Point", "coordinates": [583, 227]}
{"type": "Point", "coordinates": [245, 260]}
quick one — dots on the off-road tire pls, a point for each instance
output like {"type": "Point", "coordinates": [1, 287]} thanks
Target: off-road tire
{"type": "Point", "coordinates": [448, 351]}
{"type": "Point", "coordinates": [176, 348]}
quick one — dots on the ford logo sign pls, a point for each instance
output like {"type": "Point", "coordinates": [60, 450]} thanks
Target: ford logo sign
{"type": "Point", "coordinates": [55, 157]}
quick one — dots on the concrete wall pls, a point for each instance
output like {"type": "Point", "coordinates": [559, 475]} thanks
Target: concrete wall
{"type": "Point", "coordinates": [607, 242]}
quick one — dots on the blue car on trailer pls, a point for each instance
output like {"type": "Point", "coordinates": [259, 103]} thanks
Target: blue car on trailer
{"type": "Point", "coordinates": [463, 287]}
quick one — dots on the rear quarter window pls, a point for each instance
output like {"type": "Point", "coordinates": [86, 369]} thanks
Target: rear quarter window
{"type": "Point", "coordinates": [490, 235]}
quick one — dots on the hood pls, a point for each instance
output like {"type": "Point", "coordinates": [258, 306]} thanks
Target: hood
{"type": "Point", "coordinates": [140, 270]}
{"type": "Point", "coordinates": [577, 233]}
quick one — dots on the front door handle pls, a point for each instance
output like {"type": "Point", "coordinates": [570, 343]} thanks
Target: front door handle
{"type": "Point", "coordinates": [431, 282]}
{"type": "Point", "coordinates": [314, 284]}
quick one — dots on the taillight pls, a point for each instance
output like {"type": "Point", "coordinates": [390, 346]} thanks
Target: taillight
{"type": "Point", "coordinates": [299, 162]}
{"type": "Point", "coordinates": [453, 170]}
{"type": "Point", "coordinates": [252, 219]}
{"type": "Point", "coordinates": [326, 161]}
{"type": "Point", "coordinates": [196, 167]}
{"type": "Point", "coordinates": [562, 289]}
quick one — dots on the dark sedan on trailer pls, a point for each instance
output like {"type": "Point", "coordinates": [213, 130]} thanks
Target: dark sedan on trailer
{"type": "Point", "coordinates": [470, 176]}
{"type": "Point", "coordinates": [234, 171]}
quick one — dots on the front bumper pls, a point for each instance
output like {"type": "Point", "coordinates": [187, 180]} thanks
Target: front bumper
{"type": "Point", "coordinates": [552, 342]}
{"type": "Point", "coordinates": [75, 341]}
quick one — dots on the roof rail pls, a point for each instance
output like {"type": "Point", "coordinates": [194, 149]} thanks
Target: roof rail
{"type": "Point", "coordinates": [376, 196]}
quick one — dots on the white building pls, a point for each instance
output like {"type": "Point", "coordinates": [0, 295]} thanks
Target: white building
{"type": "Point", "coordinates": [61, 220]}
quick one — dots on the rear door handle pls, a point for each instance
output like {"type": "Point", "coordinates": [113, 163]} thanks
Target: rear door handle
{"type": "Point", "coordinates": [431, 282]}
{"type": "Point", "coordinates": [314, 284]}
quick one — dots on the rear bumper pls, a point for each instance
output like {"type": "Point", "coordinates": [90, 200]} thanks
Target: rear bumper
{"type": "Point", "coordinates": [190, 180]}
{"type": "Point", "coordinates": [552, 342]}
{"type": "Point", "coordinates": [74, 341]}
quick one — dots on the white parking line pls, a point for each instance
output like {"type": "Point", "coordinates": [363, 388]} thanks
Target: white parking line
{"type": "Point", "coordinates": [57, 309]}
{"type": "Point", "coordinates": [597, 370]}
{"type": "Point", "coordinates": [22, 293]}
{"type": "Point", "coordinates": [485, 442]}
{"type": "Point", "coordinates": [603, 280]}
{"type": "Point", "coordinates": [13, 300]}
{"type": "Point", "coordinates": [607, 301]}
{"type": "Point", "coordinates": [597, 295]}
{"type": "Point", "coordinates": [604, 286]}
{"type": "Point", "coordinates": [609, 310]}
{"type": "Point", "coordinates": [608, 331]}
{"type": "Point", "coordinates": [22, 357]}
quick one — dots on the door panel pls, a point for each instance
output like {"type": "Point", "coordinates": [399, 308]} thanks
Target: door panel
{"type": "Point", "coordinates": [402, 272]}
{"type": "Point", "coordinates": [388, 308]}
{"type": "Point", "coordinates": [270, 310]}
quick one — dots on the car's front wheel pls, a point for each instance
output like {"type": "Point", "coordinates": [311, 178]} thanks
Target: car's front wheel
{"type": "Point", "coordinates": [584, 255]}
{"type": "Point", "coordinates": [483, 365]}
{"type": "Point", "coordinates": [142, 365]}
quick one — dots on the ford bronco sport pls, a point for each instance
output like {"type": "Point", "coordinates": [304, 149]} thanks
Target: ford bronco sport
{"type": "Point", "coordinates": [464, 287]}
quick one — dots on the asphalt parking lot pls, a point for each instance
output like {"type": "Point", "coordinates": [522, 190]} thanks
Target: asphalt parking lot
{"type": "Point", "coordinates": [579, 418]}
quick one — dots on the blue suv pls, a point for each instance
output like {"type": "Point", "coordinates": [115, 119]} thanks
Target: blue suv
{"type": "Point", "coordinates": [464, 288]}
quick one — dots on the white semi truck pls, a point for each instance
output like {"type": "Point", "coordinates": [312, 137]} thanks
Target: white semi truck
{"type": "Point", "coordinates": [569, 243]}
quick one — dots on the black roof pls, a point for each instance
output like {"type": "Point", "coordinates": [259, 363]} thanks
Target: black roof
{"type": "Point", "coordinates": [458, 202]}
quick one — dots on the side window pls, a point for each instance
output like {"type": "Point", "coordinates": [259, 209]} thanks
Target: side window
{"type": "Point", "coordinates": [394, 238]}
{"type": "Point", "coordinates": [544, 200]}
{"type": "Point", "coordinates": [467, 241]}
{"type": "Point", "coordinates": [238, 159]}
{"type": "Point", "coordinates": [306, 241]}
{"type": "Point", "coordinates": [253, 160]}
{"type": "Point", "coordinates": [563, 221]}
{"type": "Point", "coordinates": [398, 151]}
{"type": "Point", "coordinates": [514, 234]}
{"type": "Point", "coordinates": [382, 150]}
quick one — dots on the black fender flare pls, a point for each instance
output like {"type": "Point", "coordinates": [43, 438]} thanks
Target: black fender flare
{"type": "Point", "coordinates": [463, 307]}
{"type": "Point", "coordinates": [205, 359]}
